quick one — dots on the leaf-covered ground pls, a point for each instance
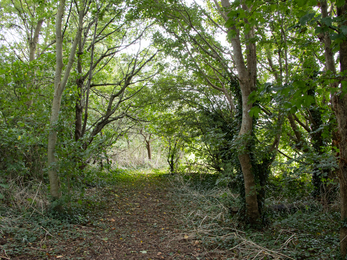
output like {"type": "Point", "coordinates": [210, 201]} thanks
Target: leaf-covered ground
{"type": "Point", "coordinates": [136, 219]}
{"type": "Point", "coordinates": [155, 216]}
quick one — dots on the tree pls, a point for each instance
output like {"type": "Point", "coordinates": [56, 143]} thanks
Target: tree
{"type": "Point", "coordinates": [147, 137]}
{"type": "Point", "coordinates": [338, 99]}
{"type": "Point", "coordinates": [196, 48]}
{"type": "Point", "coordinates": [27, 20]}
{"type": "Point", "coordinates": [247, 76]}
{"type": "Point", "coordinates": [59, 85]}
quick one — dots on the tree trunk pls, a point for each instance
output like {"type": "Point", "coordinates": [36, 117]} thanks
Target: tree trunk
{"type": "Point", "coordinates": [330, 66]}
{"type": "Point", "coordinates": [52, 138]}
{"type": "Point", "coordinates": [247, 80]}
{"type": "Point", "coordinates": [78, 110]}
{"type": "Point", "coordinates": [33, 42]}
{"type": "Point", "coordinates": [80, 83]}
{"type": "Point", "coordinates": [32, 50]}
{"type": "Point", "coordinates": [318, 142]}
{"type": "Point", "coordinates": [149, 151]}
{"type": "Point", "coordinates": [148, 144]}
{"type": "Point", "coordinates": [59, 85]}
{"type": "Point", "coordinates": [90, 76]}
{"type": "Point", "coordinates": [339, 104]}
{"type": "Point", "coordinates": [253, 213]}
{"type": "Point", "coordinates": [341, 116]}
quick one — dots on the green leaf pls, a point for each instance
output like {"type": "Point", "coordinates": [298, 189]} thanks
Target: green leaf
{"type": "Point", "coordinates": [4, 185]}
{"type": "Point", "coordinates": [293, 109]}
{"type": "Point", "coordinates": [327, 21]}
{"type": "Point", "coordinates": [21, 124]}
{"type": "Point", "coordinates": [335, 36]}
{"type": "Point", "coordinates": [319, 30]}
{"type": "Point", "coordinates": [254, 112]}
{"type": "Point", "coordinates": [231, 34]}
{"type": "Point", "coordinates": [301, 84]}
{"type": "Point", "coordinates": [344, 86]}
{"type": "Point", "coordinates": [343, 29]}
{"type": "Point", "coordinates": [229, 23]}
{"type": "Point", "coordinates": [306, 18]}
{"type": "Point", "coordinates": [340, 3]}
{"type": "Point", "coordinates": [307, 101]}
{"type": "Point", "coordinates": [301, 3]}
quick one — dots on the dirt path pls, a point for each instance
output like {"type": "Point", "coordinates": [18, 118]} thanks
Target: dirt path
{"type": "Point", "coordinates": [139, 222]}
{"type": "Point", "coordinates": [142, 224]}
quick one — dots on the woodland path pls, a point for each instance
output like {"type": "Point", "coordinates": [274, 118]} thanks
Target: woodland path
{"type": "Point", "coordinates": [143, 223]}
{"type": "Point", "coordinates": [144, 216]}
{"type": "Point", "coordinates": [138, 221]}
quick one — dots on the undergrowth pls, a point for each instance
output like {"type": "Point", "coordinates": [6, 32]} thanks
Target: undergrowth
{"type": "Point", "coordinates": [307, 231]}
{"type": "Point", "coordinates": [28, 222]}
{"type": "Point", "coordinates": [303, 230]}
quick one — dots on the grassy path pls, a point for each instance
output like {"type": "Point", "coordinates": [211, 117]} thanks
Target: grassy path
{"type": "Point", "coordinates": [145, 216]}
{"type": "Point", "coordinates": [142, 223]}
{"type": "Point", "coordinates": [134, 220]}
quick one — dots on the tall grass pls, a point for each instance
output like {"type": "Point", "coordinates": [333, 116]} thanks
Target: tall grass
{"type": "Point", "coordinates": [206, 208]}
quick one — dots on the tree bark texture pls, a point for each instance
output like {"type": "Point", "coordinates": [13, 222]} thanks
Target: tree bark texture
{"type": "Point", "coordinates": [52, 138]}
{"type": "Point", "coordinates": [149, 150]}
{"type": "Point", "coordinates": [148, 143]}
{"type": "Point", "coordinates": [32, 50]}
{"type": "Point", "coordinates": [90, 76]}
{"type": "Point", "coordinates": [59, 85]}
{"type": "Point", "coordinates": [339, 104]}
{"type": "Point", "coordinates": [247, 80]}
{"type": "Point", "coordinates": [341, 116]}
{"type": "Point", "coordinates": [33, 42]}
{"type": "Point", "coordinates": [330, 66]}
{"type": "Point", "coordinates": [80, 84]}
{"type": "Point", "coordinates": [78, 110]}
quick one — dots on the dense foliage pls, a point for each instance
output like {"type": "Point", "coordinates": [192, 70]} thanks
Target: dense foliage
{"type": "Point", "coordinates": [252, 92]}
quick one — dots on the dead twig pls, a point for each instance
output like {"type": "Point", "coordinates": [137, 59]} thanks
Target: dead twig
{"type": "Point", "coordinates": [47, 232]}
{"type": "Point", "coordinates": [288, 241]}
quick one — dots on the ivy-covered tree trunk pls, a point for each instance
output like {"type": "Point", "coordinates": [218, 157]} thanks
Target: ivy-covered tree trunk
{"type": "Point", "coordinates": [80, 84]}
{"type": "Point", "coordinates": [173, 154]}
{"type": "Point", "coordinates": [247, 81]}
{"type": "Point", "coordinates": [252, 209]}
{"type": "Point", "coordinates": [318, 142]}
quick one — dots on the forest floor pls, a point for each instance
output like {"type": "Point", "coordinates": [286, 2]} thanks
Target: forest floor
{"type": "Point", "coordinates": [137, 219]}
{"type": "Point", "coordinates": [146, 215]}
